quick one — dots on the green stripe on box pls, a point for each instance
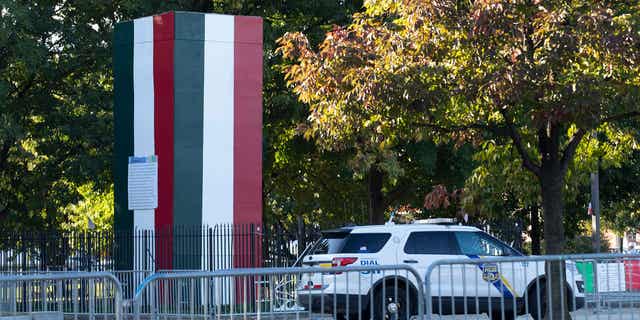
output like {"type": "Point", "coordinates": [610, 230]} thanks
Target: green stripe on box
{"type": "Point", "coordinates": [586, 270]}
{"type": "Point", "coordinates": [190, 26]}
{"type": "Point", "coordinates": [188, 115]}
{"type": "Point", "coordinates": [123, 126]}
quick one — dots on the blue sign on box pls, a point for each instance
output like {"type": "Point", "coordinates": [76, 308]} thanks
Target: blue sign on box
{"type": "Point", "coordinates": [147, 159]}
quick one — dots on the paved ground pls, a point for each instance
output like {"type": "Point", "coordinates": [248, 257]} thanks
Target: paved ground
{"type": "Point", "coordinates": [584, 314]}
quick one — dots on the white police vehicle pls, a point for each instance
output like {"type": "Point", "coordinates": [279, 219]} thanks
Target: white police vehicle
{"type": "Point", "coordinates": [491, 289]}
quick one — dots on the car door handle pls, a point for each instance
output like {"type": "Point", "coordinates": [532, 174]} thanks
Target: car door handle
{"type": "Point", "coordinates": [410, 261]}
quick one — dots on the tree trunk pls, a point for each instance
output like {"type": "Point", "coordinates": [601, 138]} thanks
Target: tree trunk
{"type": "Point", "coordinates": [552, 185]}
{"type": "Point", "coordinates": [376, 206]}
{"type": "Point", "coordinates": [535, 230]}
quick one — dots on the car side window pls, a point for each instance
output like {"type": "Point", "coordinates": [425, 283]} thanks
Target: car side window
{"type": "Point", "coordinates": [480, 244]}
{"type": "Point", "coordinates": [365, 242]}
{"type": "Point", "coordinates": [431, 242]}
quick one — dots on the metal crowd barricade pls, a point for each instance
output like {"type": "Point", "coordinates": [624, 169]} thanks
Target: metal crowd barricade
{"type": "Point", "coordinates": [359, 292]}
{"type": "Point", "coordinates": [130, 279]}
{"type": "Point", "coordinates": [68, 293]}
{"type": "Point", "coordinates": [595, 286]}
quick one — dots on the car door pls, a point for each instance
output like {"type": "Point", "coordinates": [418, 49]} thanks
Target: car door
{"type": "Point", "coordinates": [421, 249]}
{"type": "Point", "coordinates": [497, 281]}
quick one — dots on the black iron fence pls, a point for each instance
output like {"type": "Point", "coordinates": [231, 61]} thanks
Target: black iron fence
{"type": "Point", "coordinates": [203, 248]}
{"type": "Point", "coordinates": [209, 248]}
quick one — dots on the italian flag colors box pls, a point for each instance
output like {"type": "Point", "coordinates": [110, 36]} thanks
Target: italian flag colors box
{"type": "Point", "coordinates": [188, 92]}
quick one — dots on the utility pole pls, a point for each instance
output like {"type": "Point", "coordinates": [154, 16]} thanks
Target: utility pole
{"type": "Point", "coordinates": [595, 225]}
{"type": "Point", "coordinates": [595, 218]}
{"type": "Point", "coordinates": [595, 204]}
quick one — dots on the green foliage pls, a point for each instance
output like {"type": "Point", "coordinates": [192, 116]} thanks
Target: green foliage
{"type": "Point", "coordinates": [620, 195]}
{"type": "Point", "coordinates": [584, 244]}
{"type": "Point", "coordinates": [297, 178]}
{"type": "Point", "coordinates": [55, 107]}
{"type": "Point", "coordinates": [499, 171]}
{"type": "Point", "coordinates": [94, 211]}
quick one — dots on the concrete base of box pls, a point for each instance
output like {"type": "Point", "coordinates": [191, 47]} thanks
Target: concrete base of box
{"type": "Point", "coordinates": [50, 315]}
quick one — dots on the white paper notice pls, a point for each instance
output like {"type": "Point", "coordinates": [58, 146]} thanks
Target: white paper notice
{"type": "Point", "coordinates": [143, 183]}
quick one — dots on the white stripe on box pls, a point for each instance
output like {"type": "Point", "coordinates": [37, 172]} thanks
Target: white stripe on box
{"type": "Point", "coordinates": [217, 149]}
{"type": "Point", "coordinates": [143, 108]}
{"type": "Point", "coordinates": [219, 28]}
{"type": "Point", "coordinates": [217, 128]}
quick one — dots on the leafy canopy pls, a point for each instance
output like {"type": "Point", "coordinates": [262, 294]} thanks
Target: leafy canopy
{"type": "Point", "coordinates": [409, 68]}
{"type": "Point", "coordinates": [55, 106]}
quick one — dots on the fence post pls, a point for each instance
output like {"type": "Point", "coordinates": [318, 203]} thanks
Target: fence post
{"type": "Point", "coordinates": [14, 299]}
{"type": "Point", "coordinates": [92, 294]}
{"type": "Point", "coordinates": [43, 294]}
{"type": "Point", "coordinates": [59, 295]}
{"type": "Point", "coordinates": [74, 297]}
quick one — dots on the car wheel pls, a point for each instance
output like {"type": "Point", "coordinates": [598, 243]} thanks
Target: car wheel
{"type": "Point", "coordinates": [387, 305]}
{"type": "Point", "coordinates": [508, 315]}
{"type": "Point", "coordinates": [537, 301]}
{"type": "Point", "coordinates": [540, 295]}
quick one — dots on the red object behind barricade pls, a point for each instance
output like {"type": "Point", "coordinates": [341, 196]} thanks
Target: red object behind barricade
{"type": "Point", "coordinates": [632, 275]}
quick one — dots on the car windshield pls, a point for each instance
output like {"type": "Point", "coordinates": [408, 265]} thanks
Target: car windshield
{"type": "Point", "coordinates": [482, 244]}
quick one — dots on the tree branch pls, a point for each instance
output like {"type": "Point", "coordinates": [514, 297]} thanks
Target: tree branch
{"type": "Point", "coordinates": [21, 91]}
{"type": "Point", "coordinates": [4, 153]}
{"type": "Point", "coordinates": [493, 128]}
{"type": "Point", "coordinates": [517, 142]}
{"type": "Point", "coordinates": [570, 150]}
{"type": "Point", "coordinates": [621, 116]}
{"type": "Point", "coordinates": [4, 213]}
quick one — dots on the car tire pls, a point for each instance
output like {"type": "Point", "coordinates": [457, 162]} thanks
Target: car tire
{"type": "Point", "coordinates": [537, 293]}
{"type": "Point", "coordinates": [381, 311]}
{"type": "Point", "coordinates": [532, 300]}
{"type": "Point", "coordinates": [508, 315]}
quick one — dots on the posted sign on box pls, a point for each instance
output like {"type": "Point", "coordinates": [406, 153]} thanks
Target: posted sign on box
{"type": "Point", "coordinates": [143, 183]}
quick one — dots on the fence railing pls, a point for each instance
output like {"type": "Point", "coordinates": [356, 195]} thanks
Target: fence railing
{"type": "Point", "coordinates": [213, 247]}
{"type": "Point", "coordinates": [549, 287]}
{"type": "Point", "coordinates": [181, 247]}
{"type": "Point", "coordinates": [368, 292]}
{"type": "Point", "coordinates": [66, 293]}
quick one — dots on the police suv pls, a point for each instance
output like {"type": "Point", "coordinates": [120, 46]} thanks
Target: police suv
{"type": "Point", "coordinates": [501, 290]}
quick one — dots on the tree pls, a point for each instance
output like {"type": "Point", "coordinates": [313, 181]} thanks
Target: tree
{"type": "Point", "coordinates": [55, 128]}
{"type": "Point", "coordinates": [543, 74]}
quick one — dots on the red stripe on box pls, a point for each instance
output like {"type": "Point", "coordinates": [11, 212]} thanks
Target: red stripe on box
{"type": "Point", "coordinates": [247, 136]}
{"type": "Point", "coordinates": [163, 45]}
